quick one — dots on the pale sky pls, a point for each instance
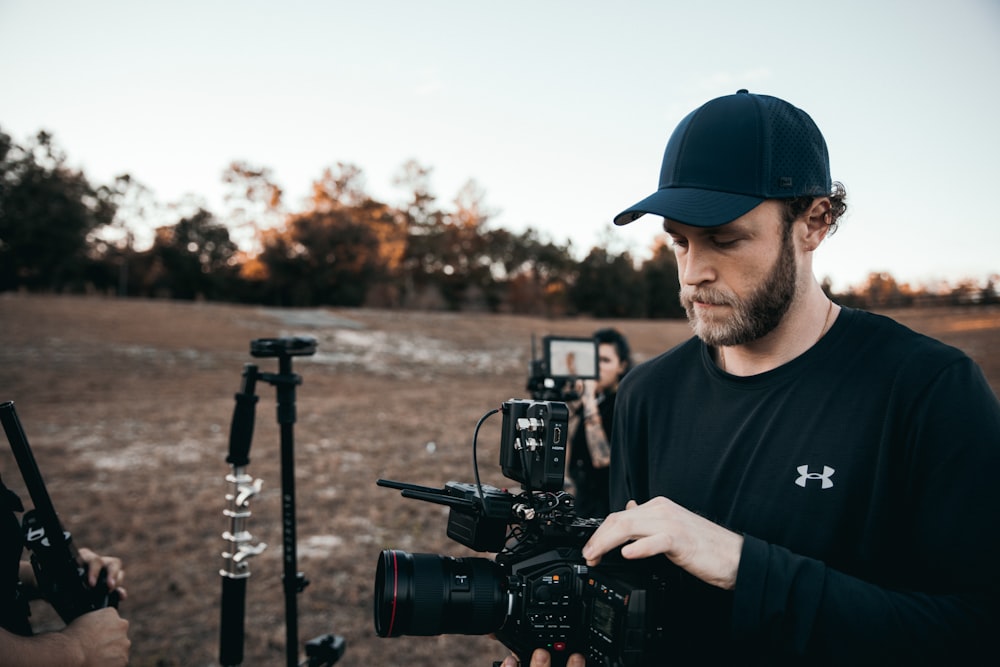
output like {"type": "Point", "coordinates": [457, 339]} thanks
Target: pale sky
{"type": "Point", "coordinates": [559, 110]}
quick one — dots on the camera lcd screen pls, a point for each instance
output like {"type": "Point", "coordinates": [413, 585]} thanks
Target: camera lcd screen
{"type": "Point", "coordinates": [571, 357]}
{"type": "Point", "coordinates": [602, 618]}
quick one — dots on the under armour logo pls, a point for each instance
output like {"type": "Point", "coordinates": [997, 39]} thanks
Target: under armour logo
{"type": "Point", "coordinates": [805, 476]}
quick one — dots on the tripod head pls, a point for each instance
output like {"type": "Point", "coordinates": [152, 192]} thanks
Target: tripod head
{"type": "Point", "coordinates": [295, 346]}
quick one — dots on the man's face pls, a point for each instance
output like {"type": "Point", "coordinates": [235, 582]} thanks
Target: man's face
{"type": "Point", "coordinates": [737, 280]}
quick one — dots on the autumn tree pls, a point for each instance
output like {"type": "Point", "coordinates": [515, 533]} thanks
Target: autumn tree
{"type": "Point", "coordinates": [255, 203]}
{"type": "Point", "coordinates": [882, 291]}
{"type": "Point", "coordinates": [423, 261]}
{"type": "Point", "coordinates": [447, 251]}
{"type": "Point", "coordinates": [455, 259]}
{"type": "Point", "coordinates": [540, 274]}
{"type": "Point", "coordinates": [47, 210]}
{"type": "Point", "coordinates": [661, 283]}
{"type": "Point", "coordinates": [338, 249]}
{"type": "Point", "coordinates": [193, 259]}
{"type": "Point", "coordinates": [113, 246]}
{"type": "Point", "coordinates": [608, 285]}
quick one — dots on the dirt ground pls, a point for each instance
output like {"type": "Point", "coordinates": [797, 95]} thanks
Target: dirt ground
{"type": "Point", "coordinates": [127, 405]}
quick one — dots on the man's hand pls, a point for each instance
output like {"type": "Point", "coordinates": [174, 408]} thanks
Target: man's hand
{"type": "Point", "coordinates": [660, 526]}
{"type": "Point", "coordinates": [102, 637]}
{"type": "Point", "coordinates": [95, 639]}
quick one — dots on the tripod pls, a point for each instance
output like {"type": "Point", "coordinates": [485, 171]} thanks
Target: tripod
{"type": "Point", "coordinates": [324, 650]}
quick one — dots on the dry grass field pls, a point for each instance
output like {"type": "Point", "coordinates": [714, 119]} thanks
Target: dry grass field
{"type": "Point", "coordinates": [127, 405]}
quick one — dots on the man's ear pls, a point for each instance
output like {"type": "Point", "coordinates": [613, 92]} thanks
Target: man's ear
{"type": "Point", "coordinates": [817, 222]}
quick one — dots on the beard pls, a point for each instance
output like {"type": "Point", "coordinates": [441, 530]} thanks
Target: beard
{"type": "Point", "coordinates": [752, 317]}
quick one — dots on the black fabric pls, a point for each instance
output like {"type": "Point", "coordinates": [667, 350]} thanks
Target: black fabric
{"type": "Point", "coordinates": [862, 476]}
{"type": "Point", "coordinates": [13, 608]}
{"type": "Point", "coordinates": [591, 484]}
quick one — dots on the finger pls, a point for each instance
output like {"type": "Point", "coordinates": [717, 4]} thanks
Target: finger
{"type": "Point", "coordinates": [540, 658]}
{"type": "Point", "coordinates": [614, 531]}
{"type": "Point", "coordinates": [648, 546]}
{"type": "Point", "coordinates": [94, 567]}
{"type": "Point", "coordinates": [576, 660]}
{"type": "Point", "coordinates": [93, 564]}
{"type": "Point", "coordinates": [115, 571]}
{"type": "Point", "coordinates": [604, 539]}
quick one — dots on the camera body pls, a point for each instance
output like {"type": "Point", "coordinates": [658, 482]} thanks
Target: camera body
{"type": "Point", "coordinates": [538, 592]}
{"type": "Point", "coordinates": [610, 613]}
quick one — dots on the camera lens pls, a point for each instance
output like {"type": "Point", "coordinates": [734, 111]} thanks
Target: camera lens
{"type": "Point", "coordinates": [430, 594]}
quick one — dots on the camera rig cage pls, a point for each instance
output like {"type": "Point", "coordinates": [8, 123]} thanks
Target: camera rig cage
{"type": "Point", "coordinates": [532, 452]}
{"type": "Point", "coordinates": [538, 592]}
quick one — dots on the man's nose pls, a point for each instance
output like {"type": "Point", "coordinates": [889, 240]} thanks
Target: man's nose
{"type": "Point", "coordinates": [696, 267]}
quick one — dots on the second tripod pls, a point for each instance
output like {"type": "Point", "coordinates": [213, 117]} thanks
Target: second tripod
{"type": "Point", "coordinates": [324, 650]}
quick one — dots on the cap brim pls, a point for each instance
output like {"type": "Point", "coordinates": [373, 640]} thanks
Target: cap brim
{"type": "Point", "coordinates": [691, 206]}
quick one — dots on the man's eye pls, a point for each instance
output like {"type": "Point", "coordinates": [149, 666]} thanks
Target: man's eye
{"type": "Point", "coordinates": [724, 243]}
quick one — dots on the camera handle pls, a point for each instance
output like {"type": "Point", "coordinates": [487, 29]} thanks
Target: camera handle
{"type": "Point", "coordinates": [239, 551]}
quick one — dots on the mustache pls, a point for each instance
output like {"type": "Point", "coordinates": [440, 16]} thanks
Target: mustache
{"type": "Point", "coordinates": [708, 295]}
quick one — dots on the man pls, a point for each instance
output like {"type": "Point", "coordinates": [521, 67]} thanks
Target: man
{"type": "Point", "coordinates": [822, 476]}
{"type": "Point", "coordinates": [95, 639]}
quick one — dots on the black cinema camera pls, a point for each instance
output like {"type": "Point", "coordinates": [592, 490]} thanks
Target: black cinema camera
{"type": "Point", "coordinates": [539, 592]}
{"type": "Point", "coordinates": [564, 360]}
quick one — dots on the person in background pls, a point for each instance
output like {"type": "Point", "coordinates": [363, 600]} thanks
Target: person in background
{"type": "Point", "coordinates": [592, 416]}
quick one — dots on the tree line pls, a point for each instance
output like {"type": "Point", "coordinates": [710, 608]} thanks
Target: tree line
{"type": "Point", "coordinates": [343, 247]}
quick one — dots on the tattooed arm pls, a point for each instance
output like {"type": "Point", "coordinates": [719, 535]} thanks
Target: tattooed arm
{"type": "Point", "coordinates": [597, 439]}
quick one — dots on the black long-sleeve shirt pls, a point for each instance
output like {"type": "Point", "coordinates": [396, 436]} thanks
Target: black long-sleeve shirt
{"type": "Point", "coordinates": [14, 609]}
{"type": "Point", "coordinates": [863, 475]}
{"type": "Point", "coordinates": [591, 483]}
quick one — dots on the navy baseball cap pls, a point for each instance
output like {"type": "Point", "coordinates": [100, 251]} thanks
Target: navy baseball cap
{"type": "Point", "coordinates": [732, 153]}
